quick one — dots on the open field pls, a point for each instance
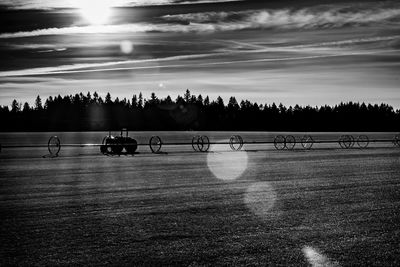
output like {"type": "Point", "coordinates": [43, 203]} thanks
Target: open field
{"type": "Point", "coordinates": [255, 207]}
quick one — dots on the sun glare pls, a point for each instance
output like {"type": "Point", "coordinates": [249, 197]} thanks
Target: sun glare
{"type": "Point", "coordinates": [96, 12]}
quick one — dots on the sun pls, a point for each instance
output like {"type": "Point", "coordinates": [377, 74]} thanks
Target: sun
{"type": "Point", "coordinates": [96, 12]}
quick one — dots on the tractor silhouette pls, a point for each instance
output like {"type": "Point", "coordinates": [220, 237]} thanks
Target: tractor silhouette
{"type": "Point", "coordinates": [118, 145]}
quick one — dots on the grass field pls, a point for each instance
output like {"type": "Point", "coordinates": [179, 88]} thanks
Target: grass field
{"type": "Point", "coordinates": [256, 207]}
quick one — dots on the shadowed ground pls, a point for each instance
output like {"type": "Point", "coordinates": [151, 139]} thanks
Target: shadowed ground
{"type": "Point", "coordinates": [168, 209]}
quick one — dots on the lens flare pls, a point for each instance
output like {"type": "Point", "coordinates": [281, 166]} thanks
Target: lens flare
{"type": "Point", "coordinates": [126, 47]}
{"type": "Point", "coordinates": [260, 198]}
{"type": "Point", "coordinates": [316, 259]}
{"type": "Point", "coordinates": [227, 165]}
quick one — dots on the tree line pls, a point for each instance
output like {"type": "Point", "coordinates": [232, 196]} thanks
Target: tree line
{"type": "Point", "coordinates": [90, 112]}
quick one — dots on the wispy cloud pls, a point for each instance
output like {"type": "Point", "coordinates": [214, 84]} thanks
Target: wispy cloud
{"type": "Point", "coordinates": [109, 66]}
{"type": "Point", "coordinates": [306, 18]}
{"type": "Point", "coordinates": [314, 46]}
{"type": "Point", "coordinates": [74, 67]}
{"type": "Point", "coordinates": [321, 17]}
{"type": "Point", "coordinates": [51, 4]}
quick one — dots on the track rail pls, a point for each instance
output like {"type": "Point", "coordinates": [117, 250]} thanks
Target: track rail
{"type": "Point", "coordinates": [202, 143]}
{"type": "Point", "coordinates": [186, 143]}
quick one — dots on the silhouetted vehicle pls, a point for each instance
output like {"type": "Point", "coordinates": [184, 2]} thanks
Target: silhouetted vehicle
{"type": "Point", "coordinates": [117, 145]}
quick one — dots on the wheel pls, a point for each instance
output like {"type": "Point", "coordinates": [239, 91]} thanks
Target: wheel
{"type": "Point", "coordinates": [280, 142]}
{"type": "Point", "coordinates": [155, 144]}
{"type": "Point", "coordinates": [396, 140]}
{"type": "Point", "coordinates": [195, 141]}
{"type": "Point", "coordinates": [346, 141]}
{"type": "Point", "coordinates": [236, 142]}
{"type": "Point", "coordinates": [362, 141]}
{"type": "Point", "coordinates": [307, 141]}
{"type": "Point", "coordinates": [105, 147]}
{"type": "Point", "coordinates": [290, 142]}
{"type": "Point", "coordinates": [241, 142]}
{"type": "Point", "coordinates": [131, 146]}
{"type": "Point", "coordinates": [116, 146]}
{"type": "Point", "coordinates": [352, 141]}
{"type": "Point", "coordinates": [340, 141]}
{"type": "Point", "coordinates": [54, 146]}
{"type": "Point", "coordinates": [203, 143]}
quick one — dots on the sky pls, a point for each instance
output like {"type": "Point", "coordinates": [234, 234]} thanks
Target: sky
{"type": "Point", "coordinates": [310, 52]}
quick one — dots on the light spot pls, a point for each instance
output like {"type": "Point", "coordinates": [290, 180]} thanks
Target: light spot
{"type": "Point", "coordinates": [260, 198]}
{"type": "Point", "coordinates": [226, 165]}
{"type": "Point", "coordinates": [316, 259]}
{"type": "Point", "coordinates": [126, 47]}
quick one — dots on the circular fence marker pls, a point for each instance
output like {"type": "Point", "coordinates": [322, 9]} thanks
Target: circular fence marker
{"type": "Point", "coordinates": [194, 142]}
{"type": "Point", "coordinates": [290, 142]}
{"type": "Point", "coordinates": [54, 146]}
{"type": "Point", "coordinates": [346, 141]}
{"type": "Point", "coordinates": [396, 140]}
{"type": "Point", "coordinates": [155, 144]}
{"type": "Point", "coordinates": [362, 141]}
{"type": "Point", "coordinates": [352, 141]}
{"type": "Point", "coordinates": [340, 141]}
{"type": "Point", "coordinates": [203, 143]}
{"type": "Point", "coordinates": [280, 142]}
{"type": "Point", "coordinates": [200, 143]}
{"type": "Point", "coordinates": [307, 141]}
{"type": "Point", "coordinates": [236, 142]}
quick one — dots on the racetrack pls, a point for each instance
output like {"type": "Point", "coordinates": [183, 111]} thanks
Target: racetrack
{"type": "Point", "coordinates": [259, 207]}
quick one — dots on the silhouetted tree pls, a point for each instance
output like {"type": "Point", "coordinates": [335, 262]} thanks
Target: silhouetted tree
{"type": "Point", "coordinates": [38, 103]}
{"type": "Point", "coordinates": [108, 100]}
{"type": "Point", "coordinates": [233, 104]}
{"type": "Point", "coordinates": [134, 101]}
{"type": "Point", "coordinates": [140, 101]}
{"type": "Point", "coordinates": [15, 106]}
{"type": "Point", "coordinates": [96, 97]}
{"type": "Point", "coordinates": [76, 112]}
{"type": "Point", "coordinates": [26, 108]}
{"type": "Point", "coordinates": [206, 101]}
{"type": "Point", "coordinates": [187, 96]}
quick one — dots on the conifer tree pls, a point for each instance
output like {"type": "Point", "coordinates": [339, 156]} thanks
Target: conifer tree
{"type": "Point", "coordinates": [38, 103]}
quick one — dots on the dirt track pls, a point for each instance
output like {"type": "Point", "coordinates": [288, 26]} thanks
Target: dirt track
{"type": "Point", "coordinates": [169, 209]}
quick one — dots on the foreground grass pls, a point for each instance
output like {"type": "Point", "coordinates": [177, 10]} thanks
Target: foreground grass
{"type": "Point", "coordinates": [172, 210]}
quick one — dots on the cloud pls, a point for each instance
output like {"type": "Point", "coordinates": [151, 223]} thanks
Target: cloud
{"type": "Point", "coordinates": [110, 29]}
{"type": "Point", "coordinates": [75, 67]}
{"type": "Point", "coordinates": [51, 4]}
{"type": "Point", "coordinates": [319, 17]}
{"type": "Point", "coordinates": [125, 28]}
{"type": "Point", "coordinates": [109, 66]}
{"type": "Point", "coordinates": [307, 18]}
